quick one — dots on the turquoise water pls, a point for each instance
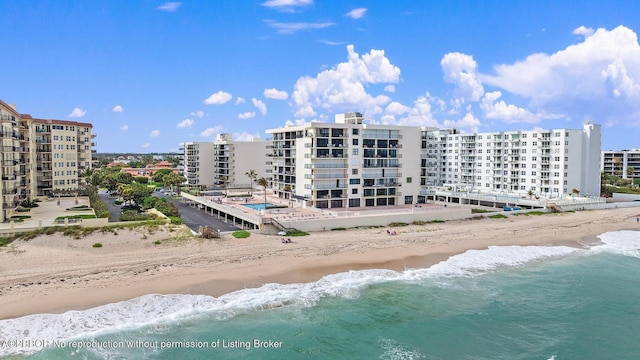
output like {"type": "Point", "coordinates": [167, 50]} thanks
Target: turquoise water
{"type": "Point", "coordinates": [501, 303]}
{"type": "Point", "coordinates": [260, 206]}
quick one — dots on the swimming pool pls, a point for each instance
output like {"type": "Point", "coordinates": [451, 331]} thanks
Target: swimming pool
{"type": "Point", "coordinates": [260, 206]}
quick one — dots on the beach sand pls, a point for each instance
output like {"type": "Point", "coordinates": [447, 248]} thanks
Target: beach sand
{"type": "Point", "coordinates": [55, 273]}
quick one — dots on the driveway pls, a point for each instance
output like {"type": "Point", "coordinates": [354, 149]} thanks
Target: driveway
{"type": "Point", "coordinates": [114, 210]}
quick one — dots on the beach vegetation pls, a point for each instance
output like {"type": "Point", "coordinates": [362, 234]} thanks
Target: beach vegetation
{"type": "Point", "coordinates": [398, 224]}
{"type": "Point", "coordinates": [498, 216]}
{"type": "Point", "coordinates": [99, 206]}
{"type": "Point", "coordinates": [175, 220]}
{"type": "Point", "coordinates": [97, 245]}
{"type": "Point", "coordinates": [419, 223]}
{"type": "Point", "coordinates": [296, 232]}
{"type": "Point", "coordinates": [161, 204]}
{"type": "Point", "coordinates": [134, 215]}
{"type": "Point", "coordinates": [157, 242]}
{"type": "Point", "coordinates": [339, 229]}
{"type": "Point", "coordinates": [79, 216]}
{"type": "Point", "coordinates": [480, 211]}
{"type": "Point", "coordinates": [241, 234]}
{"type": "Point", "coordinates": [437, 221]}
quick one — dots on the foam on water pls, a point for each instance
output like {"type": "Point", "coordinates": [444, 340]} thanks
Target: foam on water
{"type": "Point", "coordinates": [155, 310]}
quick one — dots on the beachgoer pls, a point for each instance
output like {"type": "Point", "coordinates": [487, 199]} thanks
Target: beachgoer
{"type": "Point", "coordinates": [638, 219]}
{"type": "Point", "coordinates": [388, 232]}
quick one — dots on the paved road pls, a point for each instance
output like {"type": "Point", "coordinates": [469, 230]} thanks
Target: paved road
{"type": "Point", "coordinates": [114, 210]}
{"type": "Point", "coordinates": [194, 217]}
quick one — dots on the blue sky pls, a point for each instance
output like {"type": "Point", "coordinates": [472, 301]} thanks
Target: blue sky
{"type": "Point", "coordinates": [152, 74]}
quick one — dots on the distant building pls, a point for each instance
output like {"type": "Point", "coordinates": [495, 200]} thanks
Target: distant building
{"type": "Point", "coordinates": [224, 161]}
{"type": "Point", "coordinates": [623, 163]}
{"type": "Point", "coordinates": [40, 156]}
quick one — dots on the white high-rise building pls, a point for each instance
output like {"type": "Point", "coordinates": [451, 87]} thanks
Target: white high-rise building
{"type": "Point", "coordinates": [623, 163]}
{"type": "Point", "coordinates": [234, 159]}
{"type": "Point", "coordinates": [197, 162]}
{"type": "Point", "coordinates": [549, 163]}
{"type": "Point", "coordinates": [350, 163]}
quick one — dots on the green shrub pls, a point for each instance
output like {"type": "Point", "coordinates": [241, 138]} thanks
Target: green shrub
{"type": "Point", "coordinates": [498, 216]}
{"type": "Point", "coordinates": [157, 242]}
{"type": "Point", "coordinates": [436, 221]}
{"type": "Point", "coordinates": [97, 245]}
{"type": "Point", "coordinates": [419, 222]}
{"type": "Point", "coordinates": [22, 209]}
{"type": "Point", "coordinates": [480, 211]}
{"type": "Point", "coordinates": [338, 229]}
{"type": "Point", "coordinates": [296, 232]}
{"type": "Point", "coordinates": [175, 220]}
{"type": "Point", "coordinates": [397, 224]}
{"type": "Point", "coordinates": [81, 216]}
{"type": "Point", "coordinates": [240, 234]}
{"type": "Point", "coordinates": [141, 179]}
{"type": "Point", "coordinates": [537, 213]}
{"type": "Point", "coordinates": [133, 215]}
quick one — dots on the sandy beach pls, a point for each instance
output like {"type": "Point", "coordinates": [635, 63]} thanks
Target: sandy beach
{"type": "Point", "coordinates": [55, 273]}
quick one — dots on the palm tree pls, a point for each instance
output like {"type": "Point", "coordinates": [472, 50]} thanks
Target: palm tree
{"type": "Point", "coordinates": [264, 183]}
{"type": "Point", "coordinates": [530, 193]}
{"type": "Point", "coordinates": [252, 175]}
{"type": "Point", "coordinates": [630, 171]}
{"type": "Point", "coordinates": [575, 192]}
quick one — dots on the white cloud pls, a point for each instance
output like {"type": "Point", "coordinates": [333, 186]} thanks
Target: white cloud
{"type": "Point", "coordinates": [460, 69]}
{"type": "Point", "coordinates": [469, 123]}
{"type": "Point", "coordinates": [500, 110]}
{"type": "Point", "coordinates": [356, 13]}
{"type": "Point", "coordinates": [596, 78]}
{"type": "Point", "coordinates": [420, 114]}
{"type": "Point", "coordinates": [395, 108]}
{"type": "Point", "coordinates": [276, 94]}
{"type": "Point", "coordinates": [198, 114]}
{"type": "Point", "coordinates": [118, 109]}
{"type": "Point", "coordinates": [154, 133]}
{"type": "Point", "coordinates": [186, 123]}
{"type": "Point", "coordinates": [208, 132]}
{"type": "Point", "coordinates": [342, 88]}
{"type": "Point", "coordinates": [286, 5]}
{"type": "Point", "coordinates": [218, 98]}
{"type": "Point", "coordinates": [247, 115]}
{"type": "Point", "coordinates": [331, 43]}
{"type": "Point", "coordinates": [77, 113]}
{"type": "Point", "coordinates": [245, 136]}
{"type": "Point", "coordinates": [390, 88]}
{"type": "Point", "coordinates": [169, 6]}
{"type": "Point", "coordinates": [260, 106]}
{"type": "Point", "coordinates": [124, 127]}
{"type": "Point", "coordinates": [240, 100]}
{"type": "Point", "coordinates": [290, 28]}
{"type": "Point", "coordinates": [145, 145]}
{"type": "Point", "coordinates": [582, 30]}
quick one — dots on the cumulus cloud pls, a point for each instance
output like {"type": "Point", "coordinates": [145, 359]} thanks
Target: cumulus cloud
{"type": "Point", "coordinates": [218, 98]}
{"type": "Point", "coordinates": [124, 127]}
{"type": "Point", "coordinates": [208, 132]}
{"type": "Point", "coordinates": [198, 114]}
{"type": "Point", "coordinates": [154, 133]}
{"type": "Point", "coordinates": [240, 100]}
{"type": "Point", "coordinates": [596, 78]}
{"type": "Point", "coordinates": [260, 106]}
{"type": "Point", "coordinates": [584, 31]}
{"type": "Point", "coordinates": [275, 94]}
{"type": "Point", "coordinates": [356, 13]}
{"type": "Point", "coordinates": [186, 123]}
{"type": "Point", "coordinates": [469, 123]}
{"type": "Point", "coordinates": [500, 110]}
{"type": "Point", "coordinates": [419, 115]}
{"type": "Point", "coordinates": [117, 109]}
{"type": "Point", "coordinates": [343, 87]}
{"type": "Point", "coordinates": [247, 115]}
{"type": "Point", "coordinates": [245, 136]}
{"type": "Point", "coordinates": [460, 69]}
{"type": "Point", "coordinates": [77, 113]}
{"type": "Point", "coordinates": [390, 88]}
{"type": "Point", "coordinates": [290, 28]}
{"type": "Point", "coordinates": [169, 6]}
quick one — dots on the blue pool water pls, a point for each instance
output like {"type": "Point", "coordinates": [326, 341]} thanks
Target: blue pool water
{"type": "Point", "coordinates": [260, 206]}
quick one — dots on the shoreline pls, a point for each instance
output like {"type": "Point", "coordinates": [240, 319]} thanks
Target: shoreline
{"type": "Point", "coordinates": [55, 274]}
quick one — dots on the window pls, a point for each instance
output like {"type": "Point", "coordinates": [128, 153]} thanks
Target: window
{"type": "Point", "coordinates": [354, 132]}
{"type": "Point", "coordinates": [354, 171]}
{"type": "Point", "coordinates": [354, 181]}
{"type": "Point", "coordinates": [354, 191]}
{"type": "Point", "coordinates": [355, 142]}
{"type": "Point", "coordinates": [409, 180]}
{"type": "Point", "coordinates": [355, 151]}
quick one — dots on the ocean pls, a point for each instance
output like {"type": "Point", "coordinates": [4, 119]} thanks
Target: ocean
{"type": "Point", "coordinates": [505, 302]}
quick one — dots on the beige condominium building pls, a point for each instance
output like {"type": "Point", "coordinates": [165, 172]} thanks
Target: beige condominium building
{"type": "Point", "coordinates": [351, 163]}
{"type": "Point", "coordinates": [623, 163]}
{"type": "Point", "coordinates": [224, 161]}
{"type": "Point", "coordinates": [39, 156]}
